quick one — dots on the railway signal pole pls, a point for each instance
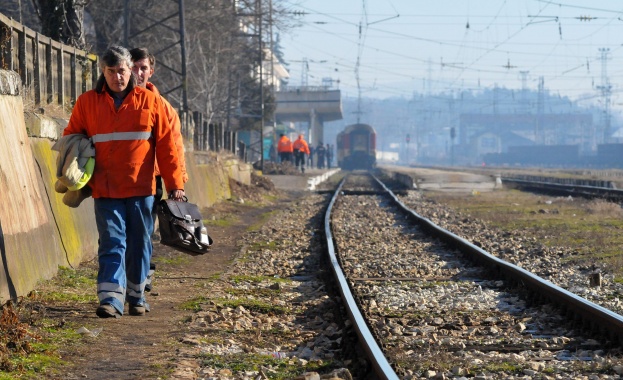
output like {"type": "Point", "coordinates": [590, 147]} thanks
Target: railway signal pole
{"type": "Point", "coordinates": [408, 139]}
{"type": "Point", "coordinates": [452, 137]}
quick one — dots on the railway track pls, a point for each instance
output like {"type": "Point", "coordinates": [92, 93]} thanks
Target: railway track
{"type": "Point", "coordinates": [428, 303]}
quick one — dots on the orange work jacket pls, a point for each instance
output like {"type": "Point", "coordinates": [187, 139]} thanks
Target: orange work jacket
{"type": "Point", "coordinates": [127, 142]}
{"type": "Point", "coordinates": [301, 145]}
{"type": "Point", "coordinates": [284, 145]}
{"type": "Point", "coordinates": [176, 129]}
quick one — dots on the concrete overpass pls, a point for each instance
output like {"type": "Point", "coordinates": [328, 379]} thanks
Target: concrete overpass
{"type": "Point", "coordinates": [314, 105]}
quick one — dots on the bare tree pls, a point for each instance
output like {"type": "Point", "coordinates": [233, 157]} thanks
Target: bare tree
{"type": "Point", "coordinates": [62, 20]}
{"type": "Point", "coordinates": [224, 46]}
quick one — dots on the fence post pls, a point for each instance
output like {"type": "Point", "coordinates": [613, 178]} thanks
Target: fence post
{"type": "Point", "coordinates": [21, 55]}
{"type": "Point", "coordinates": [226, 140]}
{"type": "Point", "coordinates": [206, 136]}
{"type": "Point", "coordinates": [60, 63]}
{"type": "Point", "coordinates": [212, 137]}
{"type": "Point", "coordinates": [198, 119]}
{"type": "Point", "coordinates": [36, 69]}
{"type": "Point", "coordinates": [84, 72]}
{"type": "Point", "coordinates": [49, 82]}
{"type": "Point", "coordinates": [219, 136]}
{"type": "Point", "coordinates": [74, 84]}
{"type": "Point", "coordinates": [6, 55]}
{"type": "Point", "coordinates": [94, 73]}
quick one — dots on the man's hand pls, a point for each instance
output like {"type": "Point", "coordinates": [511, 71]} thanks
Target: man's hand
{"type": "Point", "coordinates": [177, 195]}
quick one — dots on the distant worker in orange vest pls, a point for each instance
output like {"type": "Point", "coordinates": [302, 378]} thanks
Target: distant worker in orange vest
{"type": "Point", "coordinates": [284, 148]}
{"type": "Point", "coordinates": [300, 150]}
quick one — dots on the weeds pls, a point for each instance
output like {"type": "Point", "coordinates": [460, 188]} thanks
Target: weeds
{"type": "Point", "coordinates": [17, 342]}
{"type": "Point", "coordinates": [278, 368]}
{"type": "Point", "coordinates": [247, 278]}
{"type": "Point", "coordinates": [253, 305]}
{"type": "Point", "coordinates": [227, 221]}
{"type": "Point", "coordinates": [258, 246]}
{"type": "Point", "coordinates": [604, 208]}
{"type": "Point", "coordinates": [590, 228]}
{"type": "Point", "coordinates": [263, 219]}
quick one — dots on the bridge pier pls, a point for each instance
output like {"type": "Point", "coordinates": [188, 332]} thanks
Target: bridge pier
{"type": "Point", "coordinates": [314, 105]}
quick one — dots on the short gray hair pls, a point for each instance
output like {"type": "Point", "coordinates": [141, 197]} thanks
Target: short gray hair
{"type": "Point", "coordinates": [114, 56]}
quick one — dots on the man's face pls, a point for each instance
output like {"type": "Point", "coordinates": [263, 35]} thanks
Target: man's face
{"type": "Point", "coordinates": [143, 71]}
{"type": "Point", "coordinates": [117, 77]}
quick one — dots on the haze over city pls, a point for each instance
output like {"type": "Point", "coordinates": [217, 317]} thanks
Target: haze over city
{"type": "Point", "coordinates": [398, 47]}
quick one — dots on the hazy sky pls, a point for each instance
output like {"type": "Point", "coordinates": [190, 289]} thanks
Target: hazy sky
{"type": "Point", "coordinates": [403, 46]}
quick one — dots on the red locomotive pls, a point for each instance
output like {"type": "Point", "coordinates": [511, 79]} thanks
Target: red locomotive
{"type": "Point", "coordinates": [356, 147]}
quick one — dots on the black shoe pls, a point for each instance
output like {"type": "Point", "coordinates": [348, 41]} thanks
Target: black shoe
{"type": "Point", "coordinates": [107, 311]}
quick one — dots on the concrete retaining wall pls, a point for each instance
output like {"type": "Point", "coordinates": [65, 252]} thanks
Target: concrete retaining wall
{"type": "Point", "coordinates": [38, 233]}
{"type": "Point", "coordinates": [403, 178]}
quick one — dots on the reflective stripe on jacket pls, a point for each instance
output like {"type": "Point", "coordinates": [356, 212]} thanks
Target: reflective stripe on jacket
{"type": "Point", "coordinates": [284, 145]}
{"type": "Point", "coordinates": [124, 143]}
{"type": "Point", "coordinates": [176, 129]}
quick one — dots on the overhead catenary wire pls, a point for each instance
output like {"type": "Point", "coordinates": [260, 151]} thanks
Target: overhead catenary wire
{"type": "Point", "coordinates": [553, 60]}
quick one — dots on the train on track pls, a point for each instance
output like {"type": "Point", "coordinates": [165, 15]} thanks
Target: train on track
{"type": "Point", "coordinates": [356, 147]}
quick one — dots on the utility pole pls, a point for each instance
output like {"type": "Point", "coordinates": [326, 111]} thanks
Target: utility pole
{"type": "Point", "coordinates": [524, 91]}
{"type": "Point", "coordinates": [261, 71]}
{"type": "Point", "coordinates": [128, 38]}
{"type": "Point", "coordinates": [606, 91]}
{"type": "Point", "coordinates": [184, 105]}
{"type": "Point", "coordinates": [304, 73]}
{"type": "Point", "coordinates": [539, 134]}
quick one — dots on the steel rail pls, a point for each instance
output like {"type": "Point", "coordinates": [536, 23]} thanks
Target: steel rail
{"type": "Point", "coordinates": [567, 189]}
{"type": "Point", "coordinates": [377, 358]}
{"type": "Point", "coordinates": [597, 316]}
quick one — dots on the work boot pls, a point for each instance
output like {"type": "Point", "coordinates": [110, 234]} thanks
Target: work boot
{"type": "Point", "coordinates": [139, 310]}
{"type": "Point", "coordinates": [107, 311]}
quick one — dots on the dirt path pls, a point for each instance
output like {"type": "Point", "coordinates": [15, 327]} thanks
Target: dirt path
{"type": "Point", "coordinates": [145, 347]}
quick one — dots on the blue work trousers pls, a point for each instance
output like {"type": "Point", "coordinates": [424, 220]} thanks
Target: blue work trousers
{"type": "Point", "coordinates": [125, 227]}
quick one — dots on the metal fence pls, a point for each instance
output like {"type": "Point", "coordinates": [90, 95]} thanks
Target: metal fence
{"type": "Point", "coordinates": [54, 73]}
{"type": "Point", "coordinates": [207, 136]}
{"type": "Point", "coordinates": [51, 72]}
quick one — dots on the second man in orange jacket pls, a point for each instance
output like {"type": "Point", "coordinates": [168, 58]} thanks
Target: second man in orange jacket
{"type": "Point", "coordinates": [301, 151]}
{"type": "Point", "coordinates": [284, 148]}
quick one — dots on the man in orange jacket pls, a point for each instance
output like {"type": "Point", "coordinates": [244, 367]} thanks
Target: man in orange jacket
{"type": "Point", "coordinates": [284, 148]}
{"type": "Point", "coordinates": [143, 69]}
{"type": "Point", "coordinates": [301, 149]}
{"type": "Point", "coordinates": [130, 130]}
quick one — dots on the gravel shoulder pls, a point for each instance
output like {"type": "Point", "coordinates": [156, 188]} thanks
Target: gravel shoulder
{"type": "Point", "coordinates": [257, 306]}
{"type": "Point", "coordinates": [143, 347]}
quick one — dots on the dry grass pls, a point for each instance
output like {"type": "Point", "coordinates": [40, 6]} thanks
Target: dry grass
{"type": "Point", "coordinates": [16, 339]}
{"type": "Point", "coordinates": [53, 109]}
{"type": "Point", "coordinates": [590, 228]}
{"type": "Point", "coordinates": [604, 208]}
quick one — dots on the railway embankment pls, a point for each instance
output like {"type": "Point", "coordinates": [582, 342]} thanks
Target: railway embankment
{"type": "Point", "coordinates": [38, 233]}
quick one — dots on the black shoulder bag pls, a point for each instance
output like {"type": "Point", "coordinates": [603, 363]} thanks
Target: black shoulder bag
{"type": "Point", "coordinates": [181, 226]}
